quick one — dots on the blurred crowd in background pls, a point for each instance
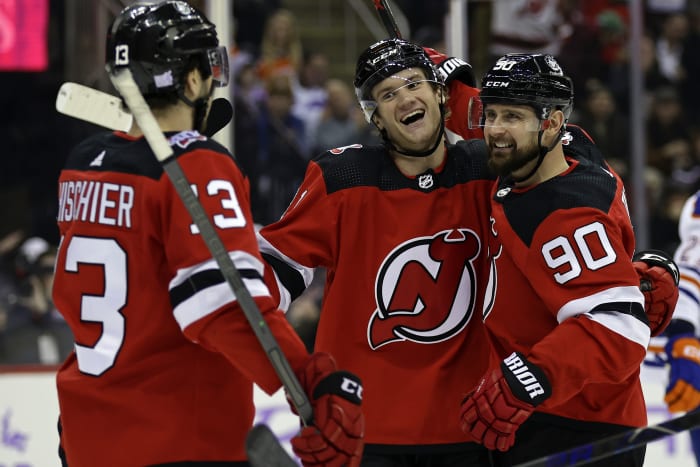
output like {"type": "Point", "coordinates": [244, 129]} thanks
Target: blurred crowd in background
{"type": "Point", "coordinates": [289, 107]}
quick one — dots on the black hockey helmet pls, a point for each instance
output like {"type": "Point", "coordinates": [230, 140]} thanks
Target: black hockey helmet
{"type": "Point", "coordinates": [159, 41]}
{"type": "Point", "coordinates": [536, 80]}
{"type": "Point", "coordinates": [383, 59]}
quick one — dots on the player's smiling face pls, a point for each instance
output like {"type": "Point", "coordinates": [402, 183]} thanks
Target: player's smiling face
{"type": "Point", "coordinates": [408, 109]}
{"type": "Point", "coordinates": [511, 133]}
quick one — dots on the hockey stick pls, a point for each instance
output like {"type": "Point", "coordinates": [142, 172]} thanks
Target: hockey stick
{"type": "Point", "coordinates": [97, 107]}
{"type": "Point", "coordinates": [387, 18]}
{"type": "Point", "coordinates": [124, 83]}
{"type": "Point", "coordinates": [264, 449]}
{"type": "Point", "coordinates": [103, 109]}
{"type": "Point", "coordinates": [617, 444]}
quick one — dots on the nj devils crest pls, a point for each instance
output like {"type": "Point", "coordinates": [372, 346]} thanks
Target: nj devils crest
{"type": "Point", "coordinates": [425, 289]}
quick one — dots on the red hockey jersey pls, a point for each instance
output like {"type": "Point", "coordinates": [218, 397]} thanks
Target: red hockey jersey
{"type": "Point", "coordinates": [406, 273]}
{"type": "Point", "coordinates": [165, 360]}
{"type": "Point", "coordinates": [565, 293]}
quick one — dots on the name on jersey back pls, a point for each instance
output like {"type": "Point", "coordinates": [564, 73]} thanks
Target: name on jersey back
{"type": "Point", "coordinates": [95, 202]}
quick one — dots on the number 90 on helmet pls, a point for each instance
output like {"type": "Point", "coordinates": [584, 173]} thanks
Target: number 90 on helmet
{"type": "Point", "coordinates": [535, 80]}
{"type": "Point", "coordinates": [159, 42]}
{"type": "Point", "coordinates": [383, 59]}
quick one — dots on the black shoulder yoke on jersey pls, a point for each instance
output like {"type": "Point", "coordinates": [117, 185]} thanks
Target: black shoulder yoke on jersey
{"type": "Point", "coordinates": [371, 166]}
{"type": "Point", "coordinates": [109, 152]}
{"type": "Point", "coordinates": [587, 185]}
{"type": "Point", "coordinates": [579, 145]}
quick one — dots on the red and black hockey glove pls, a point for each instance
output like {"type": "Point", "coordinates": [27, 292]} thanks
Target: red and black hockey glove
{"type": "Point", "coordinates": [658, 280]}
{"type": "Point", "coordinates": [336, 437]}
{"type": "Point", "coordinates": [503, 400]}
{"type": "Point", "coordinates": [451, 68]}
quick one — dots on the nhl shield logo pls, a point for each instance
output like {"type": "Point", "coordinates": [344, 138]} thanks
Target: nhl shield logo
{"type": "Point", "coordinates": [425, 182]}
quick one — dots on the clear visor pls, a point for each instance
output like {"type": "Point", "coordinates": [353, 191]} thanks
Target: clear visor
{"type": "Point", "coordinates": [515, 113]}
{"type": "Point", "coordinates": [218, 65]}
{"type": "Point", "coordinates": [369, 106]}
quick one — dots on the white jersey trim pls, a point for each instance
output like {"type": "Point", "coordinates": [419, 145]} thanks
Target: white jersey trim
{"type": "Point", "coordinates": [307, 273]}
{"type": "Point", "coordinates": [623, 324]}
{"type": "Point", "coordinates": [208, 300]}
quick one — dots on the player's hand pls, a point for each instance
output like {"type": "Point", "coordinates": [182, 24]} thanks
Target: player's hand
{"type": "Point", "coordinates": [658, 279]}
{"type": "Point", "coordinates": [336, 437]}
{"type": "Point", "coordinates": [503, 400]}
{"type": "Point", "coordinates": [451, 68]}
{"type": "Point", "coordinates": [683, 391]}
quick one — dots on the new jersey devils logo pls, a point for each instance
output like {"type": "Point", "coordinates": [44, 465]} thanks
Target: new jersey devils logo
{"type": "Point", "coordinates": [425, 289]}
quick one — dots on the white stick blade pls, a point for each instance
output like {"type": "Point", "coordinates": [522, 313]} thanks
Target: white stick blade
{"type": "Point", "coordinates": [91, 105]}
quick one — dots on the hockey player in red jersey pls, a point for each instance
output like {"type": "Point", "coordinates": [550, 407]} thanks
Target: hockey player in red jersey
{"type": "Point", "coordinates": [165, 361]}
{"type": "Point", "coordinates": [401, 231]}
{"type": "Point", "coordinates": [658, 274]}
{"type": "Point", "coordinates": [566, 317]}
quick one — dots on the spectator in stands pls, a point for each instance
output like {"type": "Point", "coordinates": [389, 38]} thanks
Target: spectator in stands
{"type": "Point", "coordinates": [657, 11]}
{"type": "Point", "coordinates": [250, 17]}
{"type": "Point", "coordinates": [247, 98]}
{"type": "Point", "coordinates": [665, 216]}
{"type": "Point", "coordinates": [342, 122]}
{"type": "Point", "coordinates": [612, 33]}
{"type": "Point", "coordinates": [526, 27]}
{"type": "Point", "coordinates": [34, 330]}
{"type": "Point", "coordinates": [666, 128]}
{"type": "Point", "coordinates": [690, 62]}
{"type": "Point", "coordinates": [309, 88]}
{"type": "Point", "coordinates": [669, 46]}
{"type": "Point", "coordinates": [284, 151]}
{"type": "Point", "coordinates": [608, 126]}
{"type": "Point", "coordinates": [281, 50]}
{"type": "Point", "coordinates": [619, 76]}
{"type": "Point", "coordinates": [249, 88]}
{"type": "Point", "coordinates": [686, 167]}
{"type": "Point", "coordinates": [581, 50]}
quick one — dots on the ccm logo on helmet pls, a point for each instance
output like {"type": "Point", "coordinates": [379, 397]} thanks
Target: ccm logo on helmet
{"type": "Point", "coordinates": [496, 84]}
{"type": "Point", "coordinates": [382, 57]}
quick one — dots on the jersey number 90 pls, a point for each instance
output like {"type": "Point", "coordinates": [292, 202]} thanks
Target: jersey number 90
{"type": "Point", "coordinates": [560, 253]}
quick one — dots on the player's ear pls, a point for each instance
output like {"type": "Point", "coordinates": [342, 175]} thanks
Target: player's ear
{"type": "Point", "coordinates": [554, 121]}
{"type": "Point", "coordinates": [377, 122]}
{"type": "Point", "coordinates": [193, 80]}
